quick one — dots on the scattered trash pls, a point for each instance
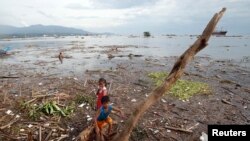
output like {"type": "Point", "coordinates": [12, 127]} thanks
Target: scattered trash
{"type": "Point", "coordinates": [30, 125]}
{"type": "Point", "coordinates": [199, 103]}
{"type": "Point", "coordinates": [89, 119]}
{"type": "Point", "coordinates": [169, 131]}
{"type": "Point", "coordinates": [133, 100]}
{"type": "Point", "coordinates": [156, 131]}
{"type": "Point", "coordinates": [203, 137]}
{"type": "Point", "coordinates": [9, 112]}
{"type": "Point", "coordinates": [17, 116]}
{"type": "Point", "coordinates": [163, 100]}
{"type": "Point", "coordinates": [40, 84]}
{"type": "Point", "coordinates": [75, 78]}
{"type": "Point", "coordinates": [46, 125]}
{"type": "Point", "coordinates": [83, 104]}
{"type": "Point", "coordinates": [22, 130]}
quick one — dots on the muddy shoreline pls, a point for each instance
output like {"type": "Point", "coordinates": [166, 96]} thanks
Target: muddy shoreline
{"type": "Point", "coordinates": [127, 75]}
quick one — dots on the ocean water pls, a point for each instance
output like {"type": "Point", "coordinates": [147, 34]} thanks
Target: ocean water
{"type": "Point", "coordinates": [218, 47]}
{"type": "Point", "coordinates": [88, 52]}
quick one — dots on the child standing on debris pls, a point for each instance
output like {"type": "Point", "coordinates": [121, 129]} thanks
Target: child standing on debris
{"type": "Point", "coordinates": [102, 91]}
{"type": "Point", "coordinates": [102, 117]}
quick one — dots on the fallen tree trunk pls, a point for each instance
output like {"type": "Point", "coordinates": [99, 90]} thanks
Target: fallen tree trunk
{"type": "Point", "coordinates": [170, 80]}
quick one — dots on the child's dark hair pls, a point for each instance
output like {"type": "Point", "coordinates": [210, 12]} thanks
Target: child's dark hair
{"type": "Point", "coordinates": [105, 99]}
{"type": "Point", "coordinates": [104, 81]}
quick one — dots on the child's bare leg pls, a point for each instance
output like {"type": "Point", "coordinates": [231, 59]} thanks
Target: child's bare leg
{"type": "Point", "coordinates": [98, 133]}
{"type": "Point", "coordinates": [109, 129]}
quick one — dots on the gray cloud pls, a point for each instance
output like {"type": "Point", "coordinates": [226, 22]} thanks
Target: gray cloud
{"type": "Point", "coordinates": [129, 16]}
{"type": "Point", "coordinates": [76, 6]}
{"type": "Point", "coordinates": [119, 4]}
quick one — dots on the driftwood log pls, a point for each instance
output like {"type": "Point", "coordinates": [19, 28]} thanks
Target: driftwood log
{"type": "Point", "coordinates": [176, 72]}
{"type": "Point", "coordinates": [170, 80]}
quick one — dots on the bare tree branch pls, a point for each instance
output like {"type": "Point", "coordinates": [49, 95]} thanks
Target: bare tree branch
{"type": "Point", "coordinates": [174, 75]}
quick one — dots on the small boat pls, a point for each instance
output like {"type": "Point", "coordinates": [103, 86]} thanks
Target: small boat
{"type": "Point", "coordinates": [219, 32]}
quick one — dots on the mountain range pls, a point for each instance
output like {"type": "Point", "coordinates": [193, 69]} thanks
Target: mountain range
{"type": "Point", "coordinates": [40, 30]}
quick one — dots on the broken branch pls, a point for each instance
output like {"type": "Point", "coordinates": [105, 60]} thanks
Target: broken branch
{"type": "Point", "coordinates": [176, 72]}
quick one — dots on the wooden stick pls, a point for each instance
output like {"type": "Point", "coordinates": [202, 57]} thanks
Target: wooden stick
{"type": "Point", "coordinates": [9, 124]}
{"type": "Point", "coordinates": [40, 133]}
{"type": "Point", "coordinates": [5, 77]}
{"type": "Point", "coordinates": [226, 102]}
{"type": "Point", "coordinates": [4, 97]}
{"type": "Point", "coordinates": [48, 136]}
{"type": "Point", "coordinates": [110, 87]}
{"type": "Point", "coordinates": [225, 88]}
{"type": "Point", "coordinates": [30, 137]}
{"type": "Point", "coordinates": [62, 137]}
{"type": "Point", "coordinates": [170, 80]}
{"type": "Point", "coordinates": [32, 100]}
{"type": "Point", "coordinates": [192, 127]}
{"type": "Point", "coordinates": [12, 137]}
{"type": "Point", "coordinates": [178, 129]}
{"type": "Point", "coordinates": [20, 90]}
{"type": "Point", "coordinates": [85, 82]}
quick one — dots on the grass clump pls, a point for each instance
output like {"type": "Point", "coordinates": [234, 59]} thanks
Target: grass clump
{"type": "Point", "coordinates": [183, 89]}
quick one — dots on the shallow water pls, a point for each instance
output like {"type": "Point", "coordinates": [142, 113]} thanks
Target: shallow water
{"type": "Point", "coordinates": [40, 54]}
{"type": "Point", "coordinates": [218, 48]}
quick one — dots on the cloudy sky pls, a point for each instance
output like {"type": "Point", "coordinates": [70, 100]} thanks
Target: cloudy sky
{"type": "Point", "coordinates": [128, 16]}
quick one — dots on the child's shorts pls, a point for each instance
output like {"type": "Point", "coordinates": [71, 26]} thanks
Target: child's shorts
{"type": "Point", "coordinates": [102, 123]}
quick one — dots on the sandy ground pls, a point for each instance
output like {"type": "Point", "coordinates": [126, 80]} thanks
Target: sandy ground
{"type": "Point", "coordinates": [129, 84]}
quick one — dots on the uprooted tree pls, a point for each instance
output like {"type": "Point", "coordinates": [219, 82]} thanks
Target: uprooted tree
{"type": "Point", "coordinates": [170, 80]}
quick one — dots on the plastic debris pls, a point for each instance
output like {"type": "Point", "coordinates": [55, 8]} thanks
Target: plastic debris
{"type": "Point", "coordinates": [156, 131]}
{"type": "Point", "coordinates": [40, 84]}
{"type": "Point", "coordinates": [46, 125]}
{"type": "Point", "coordinates": [30, 125]}
{"type": "Point", "coordinates": [75, 78]}
{"type": "Point", "coordinates": [22, 130]}
{"type": "Point", "coordinates": [81, 105]}
{"type": "Point", "coordinates": [163, 100]}
{"type": "Point", "coordinates": [203, 137]}
{"type": "Point", "coordinates": [89, 119]}
{"type": "Point", "coordinates": [133, 100]}
{"type": "Point", "coordinates": [9, 112]}
{"type": "Point", "coordinates": [17, 116]}
{"type": "Point", "coordinates": [168, 131]}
